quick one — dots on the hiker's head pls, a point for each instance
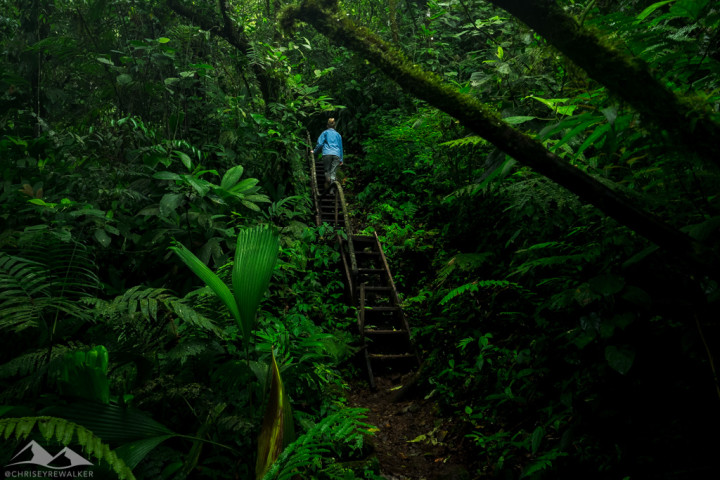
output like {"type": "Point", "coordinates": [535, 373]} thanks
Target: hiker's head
{"type": "Point", "coordinates": [331, 123]}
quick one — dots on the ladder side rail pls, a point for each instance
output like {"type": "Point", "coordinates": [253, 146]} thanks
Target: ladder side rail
{"type": "Point", "coordinates": [346, 267]}
{"type": "Point", "coordinates": [393, 290]}
{"type": "Point", "coordinates": [363, 344]}
{"type": "Point", "coordinates": [313, 182]}
{"type": "Point", "coordinates": [340, 195]}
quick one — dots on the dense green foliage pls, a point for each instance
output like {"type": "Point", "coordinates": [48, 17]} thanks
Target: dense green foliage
{"type": "Point", "coordinates": [561, 341]}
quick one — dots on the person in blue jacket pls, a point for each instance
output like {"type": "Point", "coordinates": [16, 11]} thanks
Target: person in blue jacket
{"type": "Point", "coordinates": [330, 142]}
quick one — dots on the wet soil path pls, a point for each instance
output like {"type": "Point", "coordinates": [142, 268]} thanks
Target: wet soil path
{"type": "Point", "coordinates": [413, 441]}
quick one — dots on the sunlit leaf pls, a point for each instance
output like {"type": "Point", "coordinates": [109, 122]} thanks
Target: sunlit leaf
{"type": "Point", "coordinates": [255, 256]}
{"type": "Point", "coordinates": [277, 428]}
{"type": "Point", "coordinates": [210, 279]}
{"type": "Point", "coordinates": [231, 177]}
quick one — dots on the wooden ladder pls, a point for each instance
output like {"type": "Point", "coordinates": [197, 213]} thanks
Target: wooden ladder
{"type": "Point", "coordinates": [383, 327]}
{"type": "Point", "coordinates": [385, 340]}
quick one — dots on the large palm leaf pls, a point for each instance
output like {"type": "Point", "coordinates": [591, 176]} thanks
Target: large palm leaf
{"type": "Point", "coordinates": [255, 257]}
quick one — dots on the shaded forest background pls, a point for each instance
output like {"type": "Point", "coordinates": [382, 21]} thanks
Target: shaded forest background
{"type": "Point", "coordinates": [563, 341]}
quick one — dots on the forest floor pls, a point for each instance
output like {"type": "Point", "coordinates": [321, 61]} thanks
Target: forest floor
{"type": "Point", "coordinates": [413, 441]}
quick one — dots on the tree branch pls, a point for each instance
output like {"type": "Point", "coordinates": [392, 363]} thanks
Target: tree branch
{"type": "Point", "coordinates": [230, 34]}
{"type": "Point", "coordinates": [689, 122]}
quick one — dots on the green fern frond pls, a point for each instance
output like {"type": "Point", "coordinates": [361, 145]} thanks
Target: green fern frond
{"type": "Point", "coordinates": [24, 364]}
{"type": "Point", "coordinates": [63, 431]}
{"type": "Point", "coordinates": [538, 193]}
{"type": "Point", "coordinates": [71, 265]}
{"type": "Point", "coordinates": [191, 348]}
{"type": "Point", "coordinates": [33, 290]}
{"type": "Point", "coordinates": [149, 303]}
{"type": "Point", "coordinates": [314, 451]}
{"type": "Point", "coordinates": [461, 142]}
{"type": "Point", "coordinates": [33, 362]}
{"type": "Point", "coordinates": [28, 372]}
{"type": "Point", "coordinates": [477, 285]}
{"type": "Point", "coordinates": [463, 262]}
{"type": "Point", "coordinates": [191, 316]}
{"type": "Point", "coordinates": [571, 260]}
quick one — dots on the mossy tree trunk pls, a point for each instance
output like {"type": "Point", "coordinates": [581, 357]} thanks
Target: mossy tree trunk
{"type": "Point", "coordinates": [688, 121]}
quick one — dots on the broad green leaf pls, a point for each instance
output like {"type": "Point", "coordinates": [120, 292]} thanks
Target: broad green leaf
{"type": "Point", "coordinates": [134, 452]}
{"type": "Point", "coordinates": [574, 132]}
{"type": "Point", "coordinates": [231, 177]}
{"type": "Point", "coordinates": [167, 176]}
{"type": "Point", "coordinates": [202, 187]}
{"type": "Point", "coordinates": [250, 205]}
{"type": "Point", "coordinates": [255, 256]}
{"type": "Point", "coordinates": [599, 132]}
{"type": "Point", "coordinates": [210, 279]}
{"type": "Point", "coordinates": [620, 359]}
{"type": "Point", "coordinates": [645, 13]}
{"type": "Point", "coordinates": [169, 202]}
{"type": "Point", "coordinates": [124, 79]}
{"type": "Point", "coordinates": [517, 120]}
{"type": "Point", "coordinates": [554, 104]}
{"type": "Point", "coordinates": [184, 158]}
{"type": "Point", "coordinates": [689, 8]}
{"type": "Point", "coordinates": [102, 237]}
{"type": "Point", "coordinates": [243, 186]}
{"type": "Point", "coordinates": [607, 284]}
{"type": "Point", "coordinates": [258, 197]}
{"type": "Point", "coordinates": [536, 439]}
{"type": "Point", "coordinates": [277, 428]}
{"type": "Point", "coordinates": [163, 40]}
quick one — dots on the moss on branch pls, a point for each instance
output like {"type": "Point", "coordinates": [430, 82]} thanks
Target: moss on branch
{"type": "Point", "coordinates": [689, 121]}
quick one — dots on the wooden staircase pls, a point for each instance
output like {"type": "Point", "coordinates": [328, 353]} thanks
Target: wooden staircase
{"type": "Point", "coordinates": [383, 328]}
{"type": "Point", "coordinates": [385, 340]}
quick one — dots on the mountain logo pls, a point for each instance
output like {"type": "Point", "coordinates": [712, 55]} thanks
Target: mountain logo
{"type": "Point", "coordinates": [34, 454]}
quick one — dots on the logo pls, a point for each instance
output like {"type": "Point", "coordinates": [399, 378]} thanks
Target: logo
{"type": "Point", "coordinates": [34, 454]}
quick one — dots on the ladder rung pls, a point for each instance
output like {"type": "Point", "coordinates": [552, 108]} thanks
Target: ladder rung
{"type": "Point", "coordinates": [385, 332]}
{"type": "Point", "coordinates": [394, 356]}
{"type": "Point", "coordinates": [381, 309]}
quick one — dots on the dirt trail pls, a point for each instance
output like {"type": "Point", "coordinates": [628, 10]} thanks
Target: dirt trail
{"type": "Point", "coordinates": [413, 441]}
